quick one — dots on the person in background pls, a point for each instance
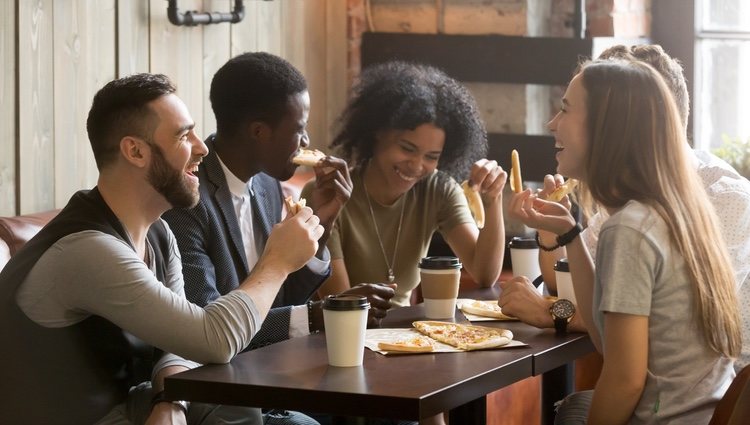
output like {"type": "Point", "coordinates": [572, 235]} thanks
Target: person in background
{"type": "Point", "coordinates": [93, 307]}
{"type": "Point", "coordinates": [662, 305]}
{"type": "Point", "coordinates": [410, 132]}
{"type": "Point", "coordinates": [728, 192]}
{"type": "Point", "coordinates": [261, 103]}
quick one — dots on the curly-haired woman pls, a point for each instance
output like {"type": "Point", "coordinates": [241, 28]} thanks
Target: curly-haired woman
{"type": "Point", "coordinates": [411, 134]}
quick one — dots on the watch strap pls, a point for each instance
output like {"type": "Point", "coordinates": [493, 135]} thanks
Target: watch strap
{"type": "Point", "coordinates": [561, 325]}
{"type": "Point", "coordinates": [568, 236]}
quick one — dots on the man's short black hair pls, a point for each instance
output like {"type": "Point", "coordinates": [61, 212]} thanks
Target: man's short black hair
{"type": "Point", "coordinates": [253, 87]}
{"type": "Point", "coordinates": [121, 109]}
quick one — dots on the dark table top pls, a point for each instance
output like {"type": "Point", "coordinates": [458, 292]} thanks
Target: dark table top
{"type": "Point", "coordinates": [295, 374]}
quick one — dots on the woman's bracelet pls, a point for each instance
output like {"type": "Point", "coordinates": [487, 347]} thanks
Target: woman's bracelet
{"type": "Point", "coordinates": [562, 240]}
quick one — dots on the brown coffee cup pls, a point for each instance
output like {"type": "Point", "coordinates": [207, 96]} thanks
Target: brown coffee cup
{"type": "Point", "coordinates": [440, 280]}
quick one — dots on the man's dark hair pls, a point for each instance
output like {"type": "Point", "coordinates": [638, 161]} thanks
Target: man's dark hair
{"type": "Point", "coordinates": [403, 96]}
{"type": "Point", "coordinates": [121, 109]}
{"type": "Point", "coordinates": [253, 87]}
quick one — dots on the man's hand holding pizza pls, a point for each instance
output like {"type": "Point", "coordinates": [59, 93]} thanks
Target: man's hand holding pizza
{"type": "Point", "coordinates": [293, 241]}
{"type": "Point", "coordinates": [333, 188]}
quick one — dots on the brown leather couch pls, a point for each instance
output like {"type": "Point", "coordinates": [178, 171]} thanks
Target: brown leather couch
{"type": "Point", "coordinates": [17, 230]}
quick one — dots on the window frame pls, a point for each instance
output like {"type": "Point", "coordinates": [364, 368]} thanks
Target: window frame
{"type": "Point", "coordinates": [683, 43]}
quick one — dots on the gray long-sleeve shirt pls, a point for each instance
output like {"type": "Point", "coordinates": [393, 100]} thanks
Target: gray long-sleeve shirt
{"type": "Point", "coordinates": [91, 273]}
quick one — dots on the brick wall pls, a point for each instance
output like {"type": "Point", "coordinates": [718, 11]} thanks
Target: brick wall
{"type": "Point", "coordinates": [618, 18]}
{"type": "Point", "coordinates": [506, 108]}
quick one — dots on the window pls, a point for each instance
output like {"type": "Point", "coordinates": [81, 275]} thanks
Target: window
{"type": "Point", "coordinates": [722, 72]}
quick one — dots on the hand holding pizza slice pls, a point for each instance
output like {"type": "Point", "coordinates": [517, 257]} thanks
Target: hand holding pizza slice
{"type": "Point", "coordinates": [563, 190]}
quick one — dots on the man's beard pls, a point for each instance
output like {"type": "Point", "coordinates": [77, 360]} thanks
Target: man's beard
{"type": "Point", "coordinates": [170, 182]}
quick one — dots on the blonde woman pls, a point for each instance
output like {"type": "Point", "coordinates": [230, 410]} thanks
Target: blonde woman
{"type": "Point", "coordinates": [662, 306]}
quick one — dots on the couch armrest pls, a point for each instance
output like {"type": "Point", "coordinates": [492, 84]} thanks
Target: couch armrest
{"type": "Point", "coordinates": [17, 230]}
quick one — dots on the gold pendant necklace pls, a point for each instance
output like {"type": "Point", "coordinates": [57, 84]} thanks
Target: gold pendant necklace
{"type": "Point", "coordinates": [392, 263]}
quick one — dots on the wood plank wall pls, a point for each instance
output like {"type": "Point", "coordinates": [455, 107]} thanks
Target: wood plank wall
{"type": "Point", "coordinates": [8, 97]}
{"type": "Point", "coordinates": [55, 55]}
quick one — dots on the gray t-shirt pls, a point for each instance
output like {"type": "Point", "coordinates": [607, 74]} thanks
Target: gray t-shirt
{"type": "Point", "coordinates": [640, 272]}
{"type": "Point", "coordinates": [92, 273]}
{"type": "Point", "coordinates": [729, 194]}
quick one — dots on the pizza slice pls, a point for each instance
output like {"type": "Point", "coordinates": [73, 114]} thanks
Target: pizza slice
{"type": "Point", "coordinates": [475, 203]}
{"type": "Point", "coordinates": [309, 157]}
{"type": "Point", "coordinates": [417, 344]}
{"type": "Point", "coordinates": [562, 190]}
{"type": "Point", "coordinates": [294, 207]}
{"type": "Point", "coordinates": [464, 337]}
{"type": "Point", "coordinates": [485, 309]}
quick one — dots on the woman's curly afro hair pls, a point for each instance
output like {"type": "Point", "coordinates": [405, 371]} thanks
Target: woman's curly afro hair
{"type": "Point", "coordinates": [403, 96]}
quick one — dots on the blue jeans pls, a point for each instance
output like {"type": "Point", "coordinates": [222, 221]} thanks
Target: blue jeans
{"type": "Point", "coordinates": [574, 409]}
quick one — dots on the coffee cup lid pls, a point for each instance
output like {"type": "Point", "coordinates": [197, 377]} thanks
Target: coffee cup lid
{"type": "Point", "coordinates": [346, 302]}
{"type": "Point", "coordinates": [439, 262]}
{"type": "Point", "coordinates": [562, 265]}
{"type": "Point", "coordinates": [523, 243]}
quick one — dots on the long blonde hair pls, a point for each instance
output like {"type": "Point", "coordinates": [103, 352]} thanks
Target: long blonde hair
{"type": "Point", "coordinates": [638, 152]}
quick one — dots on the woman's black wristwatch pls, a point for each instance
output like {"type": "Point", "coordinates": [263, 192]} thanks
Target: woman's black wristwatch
{"type": "Point", "coordinates": [562, 312]}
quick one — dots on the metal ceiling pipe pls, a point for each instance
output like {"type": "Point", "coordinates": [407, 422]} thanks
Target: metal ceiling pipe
{"type": "Point", "coordinates": [194, 18]}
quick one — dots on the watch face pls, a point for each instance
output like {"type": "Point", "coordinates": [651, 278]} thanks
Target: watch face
{"type": "Point", "coordinates": [563, 309]}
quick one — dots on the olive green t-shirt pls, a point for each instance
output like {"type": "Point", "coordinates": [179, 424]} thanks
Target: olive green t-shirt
{"type": "Point", "coordinates": [435, 203]}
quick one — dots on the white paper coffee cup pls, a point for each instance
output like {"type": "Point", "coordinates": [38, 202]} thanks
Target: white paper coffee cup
{"type": "Point", "coordinates": [524, 257]}
{"type": "Point", "coordinates": [564, 281]}
{"type": "Point", "coordinates": [345, 320]}
{"type": "Point", "coordinates": [440, 279]}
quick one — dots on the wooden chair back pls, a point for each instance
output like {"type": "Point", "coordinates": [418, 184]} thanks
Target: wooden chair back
{"type": "Point", "coordinates": [734, 407]}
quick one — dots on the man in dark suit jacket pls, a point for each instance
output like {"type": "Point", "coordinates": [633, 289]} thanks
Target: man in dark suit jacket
{"type": "Point", "coordinates": [261, 104]}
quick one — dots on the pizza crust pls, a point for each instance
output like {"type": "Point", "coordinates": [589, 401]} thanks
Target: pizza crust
{"type": "Point", "coordinates": [485, 308]}
{"type": "Point", "coordinates": [418, 344]}
{"type": "Point", "coordinates": [562, 190]}
{"type": "Point", "coordinates": [464, 337]}
{"type": "Point", "coordinates": [474, 199]}
{"type": "Point", "coordinates": [309, 157]}
{"type": "Point", "coordinates": [516, 183]}
{"type": "Point", "coordinates": [294, 207]}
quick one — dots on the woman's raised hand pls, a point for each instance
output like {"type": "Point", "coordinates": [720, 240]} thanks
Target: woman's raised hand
{"type": "Point", "coordinates": [489, 179]}
{"type": "Point", "coordinates": [540, 214]}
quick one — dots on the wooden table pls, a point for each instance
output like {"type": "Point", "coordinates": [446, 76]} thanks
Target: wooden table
{"type": "Point", "coordinates": [295, 375]}
{"type": "Point", "coordinates": [554, 363]}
